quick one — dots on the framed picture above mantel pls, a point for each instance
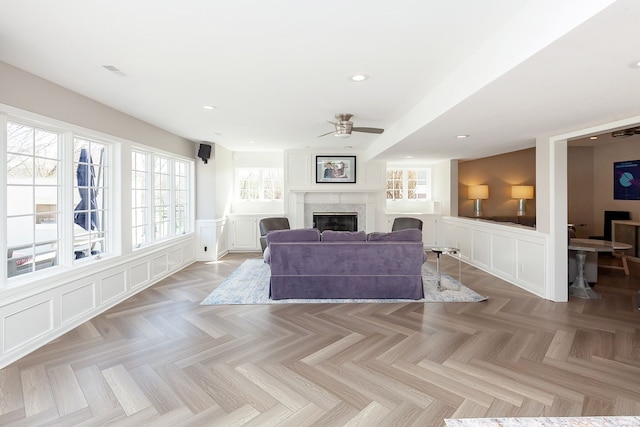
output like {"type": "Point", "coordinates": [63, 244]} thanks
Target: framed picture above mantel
{"type": "Point", "coordinates": [336, 169]}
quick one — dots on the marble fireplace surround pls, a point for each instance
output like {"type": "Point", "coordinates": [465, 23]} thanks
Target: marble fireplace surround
{"type": "Point", "coordinates": [305, 202]}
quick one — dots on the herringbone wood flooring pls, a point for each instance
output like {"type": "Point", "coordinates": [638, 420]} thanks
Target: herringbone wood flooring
{"type": "Point", "coordinates": [162, 359]}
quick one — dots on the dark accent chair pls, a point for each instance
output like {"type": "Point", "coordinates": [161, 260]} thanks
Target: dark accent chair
{"type": "Point", "coordinates": [403, 223]}
{"type": "Point", "coordinates": [608, 217]}
{"type": "Point", "coordinates": [271, 224]}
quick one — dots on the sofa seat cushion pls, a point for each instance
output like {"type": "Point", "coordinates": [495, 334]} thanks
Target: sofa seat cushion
{"type": "Point", "coordinates": [343, 236]}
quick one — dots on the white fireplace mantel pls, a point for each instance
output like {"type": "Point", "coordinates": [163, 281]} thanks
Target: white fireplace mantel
{"type": "Point", "coordinates": [362, 200]}
{"type": "Point", "coordinates": [336, 190]}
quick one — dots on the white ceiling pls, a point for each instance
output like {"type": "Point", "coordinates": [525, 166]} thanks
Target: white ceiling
{"type": "Point", "coordinates": [501, 71]}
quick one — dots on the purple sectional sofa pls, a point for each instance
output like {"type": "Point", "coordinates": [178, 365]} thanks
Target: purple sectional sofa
{"type": "Point", "coordinates": [336, 264]}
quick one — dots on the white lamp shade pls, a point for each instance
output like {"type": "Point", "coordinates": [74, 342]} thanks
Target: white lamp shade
{"type": "Point", "coordinates": [478, 192]}
{"type": "Point", "coordinates": [522, 192]}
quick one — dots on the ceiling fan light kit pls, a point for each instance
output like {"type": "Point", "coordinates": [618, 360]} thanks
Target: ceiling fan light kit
{"type": "Point", "coordinates": [344, 127]}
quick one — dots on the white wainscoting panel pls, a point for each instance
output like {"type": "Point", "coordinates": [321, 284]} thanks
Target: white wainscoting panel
{"type": "Point", "coordinates": [188, 253]}
{"type": "Point", "coordinates": [481, 244]}
{"type": "Point", "coordinates": [112, 286]}
{"type": "Point", "coordinates": [531, 269]}
{"type": "Point", "coordinates": [27, 324]}
{"type": "Point", "coordinates": [222, 238]}
{"type": "Point", "coordinates": [513, 253]}
{"type": "Point", "coordinates": [159, 265]}
{"type": "Point", "coordinates": [458, 236]}
{"type": "Point", "coordinates": [502, 251]}
{"type": "Point", "coordinates": [175, 258]}
{"type": "Point", "coordinates": [139, 274]}
{"type": "Point", "coordinates": [77, 301]}
{"type": "Point", "coordinates": [33, 315]}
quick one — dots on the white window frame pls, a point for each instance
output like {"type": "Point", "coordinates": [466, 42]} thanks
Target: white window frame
{"type": "Point", "coordinates": [89, 244]}
{"type": "Point", "coordinates": [171, 206]}
{"type": "Point", "coordinates": [261, 173]}
{"type": "Point", "coordinates": [146, 225]}
{"type": "Point", "coordinates": [28, 265]}
{"type": "Point", "coordinates": [404, 190]}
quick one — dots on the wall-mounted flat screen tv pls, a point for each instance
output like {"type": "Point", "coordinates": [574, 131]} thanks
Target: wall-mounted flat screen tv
{"type": "Point", "coordinates": [626, 180]}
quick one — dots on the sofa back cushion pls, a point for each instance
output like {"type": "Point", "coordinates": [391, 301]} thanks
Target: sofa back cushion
{"type": "Point", "coordinates": [343, 236]}
{"type": "Point", "coordinates": [296, 235]}
{"type": "Point", "coordinates": [407, 235]}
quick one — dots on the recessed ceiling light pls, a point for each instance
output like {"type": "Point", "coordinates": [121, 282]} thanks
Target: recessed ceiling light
{"type": "Point", "coordinates": [252, 142]}
{"type": "Point", "coordinates": [593, 137]}
{"type": "Point", "coordinates": [208, 107]}
{"type": "Point", "coordinates": [408, 157]}
{"type": "Point", "coordinates": [348, 147]}
{"type": "Point", "coordinates": [462, 136]}
{"type": "Point", "coordinates": [358, 77]}
{"type": "Point", "coordinates": [635, 64]}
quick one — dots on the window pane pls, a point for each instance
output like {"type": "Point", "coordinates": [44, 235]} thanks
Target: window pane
{"type": "Point", "coordinates": [19, 200]}
{"type": "Point", "coordinates": [394, 184]}
{"type": "Point", "coordinates": [20, 231]}
{"type": "Point", "coordinates": [20, 138]}
{"type": "Point", "coordinates": [32, 198]}
{"type": "Point", "coordinates": [46, 171]}
{"type": "Point", "coordinates": [20, 169]}
{"type": "Point", "coordinates": [90, 196]}
{"type": "Point", "coordinates": [46, 144]}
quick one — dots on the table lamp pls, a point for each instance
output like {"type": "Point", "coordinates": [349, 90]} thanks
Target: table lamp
{"type": "Point", "coordinates": [522, 193]}
{"type": "Point", "coordinates": [478, 193]}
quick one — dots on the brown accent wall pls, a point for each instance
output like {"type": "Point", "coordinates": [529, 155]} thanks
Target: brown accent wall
{"type": "Point", "coordinates": [580, 193]}
{"type": "Point", "coordinates": [499, 173]}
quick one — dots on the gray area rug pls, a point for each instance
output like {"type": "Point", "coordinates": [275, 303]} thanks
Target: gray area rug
{"type": "Point", "coordinates": [249, 284]}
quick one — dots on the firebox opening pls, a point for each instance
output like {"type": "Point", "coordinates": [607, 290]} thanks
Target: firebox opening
{"type": "Point", "coordinates": [338, 221]}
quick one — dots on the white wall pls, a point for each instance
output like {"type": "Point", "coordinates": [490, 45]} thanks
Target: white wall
{"type": "Point", "coordinates": [603, 158]}
{"type": "Point", "coordinates": [31, 93]}
{"type": "Point", "coordinates": [224, 182]}
{"type": "Point", "coordinates": [272, 159]}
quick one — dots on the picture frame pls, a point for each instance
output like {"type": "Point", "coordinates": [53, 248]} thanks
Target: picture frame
{"type": "Point", "coordinates": [626, 183]}
{"type": "Point", "coordinates": [336, 169]}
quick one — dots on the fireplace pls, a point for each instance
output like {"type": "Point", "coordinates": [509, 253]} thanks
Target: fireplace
{"type": "Point", "coordinates": [338, 221]}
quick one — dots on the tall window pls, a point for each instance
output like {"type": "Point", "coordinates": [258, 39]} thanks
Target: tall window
{"type": "Point", "coordinates": [33, 192]}
{"type": "Point", "coordinates": [395, 184]}
{"type": "Point", "coordinates": [409, 184]}
{"type": "Point", "coordinates": [181, 187]}
{"type": "Point", "coordinates": [140, 184]}
{"type": "Point", "coordinates": [90, 215]}
{"type": "Point", "coordinates": [260, 183]}
{"type": "Point", "coordinates": [161, 197]}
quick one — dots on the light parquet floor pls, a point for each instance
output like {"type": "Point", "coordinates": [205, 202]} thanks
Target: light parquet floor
{"type": "Point", "coordinates": [160, 358]}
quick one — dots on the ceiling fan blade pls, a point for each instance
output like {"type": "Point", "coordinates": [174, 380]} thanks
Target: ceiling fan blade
{"type": "Point", "coordinates": [367, 130]}
{"type": "Point", "coordinates": [328, 133]}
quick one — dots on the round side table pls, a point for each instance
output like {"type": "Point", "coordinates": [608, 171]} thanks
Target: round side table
{"type": "Point", "coordinates": [439, 250]}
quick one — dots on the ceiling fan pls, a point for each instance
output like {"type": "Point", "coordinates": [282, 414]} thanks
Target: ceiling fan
{"type": "Point", "coordinates": [344, 127]}
{"type": "Point", "coordinates": [626, 132]}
